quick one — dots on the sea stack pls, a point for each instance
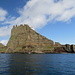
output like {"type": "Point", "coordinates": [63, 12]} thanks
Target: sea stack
{"type": "Point", "coordinates": [26, 40]}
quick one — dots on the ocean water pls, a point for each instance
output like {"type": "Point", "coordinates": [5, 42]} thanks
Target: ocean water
{"type": "Point", "coordinates": [37, 64]}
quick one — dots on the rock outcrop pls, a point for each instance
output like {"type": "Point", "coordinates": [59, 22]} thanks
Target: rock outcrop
{"type": "Point", "coordinates": [57, 44]}
{"type": "Point", "coordinates": [2, 48]}
{"type": "Point", "coordinates": [73, 48]}
{"type": "Point", "coordinates": [1, 45]}
{"type": "Point", "coordinates": [24, 39]}
{"type": "Point", "coordinates": [69, 48]}
{"type": "Point", "coordinates": [60, 50]}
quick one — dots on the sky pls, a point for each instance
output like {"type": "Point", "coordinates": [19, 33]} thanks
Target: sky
{"type": "Point", "coordinates": [54, 19]}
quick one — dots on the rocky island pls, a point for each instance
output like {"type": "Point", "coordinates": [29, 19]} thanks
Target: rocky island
{"type": "Point", "coordinates": [26, 40]}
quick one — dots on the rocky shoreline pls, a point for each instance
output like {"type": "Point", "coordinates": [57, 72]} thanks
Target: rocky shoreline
{"type": "Point", "coordinates": [25, 40]}
{"type": "Point", "coordinates": [62, 49]}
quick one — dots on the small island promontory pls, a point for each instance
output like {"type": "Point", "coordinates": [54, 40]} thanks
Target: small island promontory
{"type": "Point", "coordinates": [26, 40]}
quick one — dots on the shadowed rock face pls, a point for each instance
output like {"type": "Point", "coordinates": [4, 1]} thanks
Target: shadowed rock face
{"type": "Point", "coordinates": [60, 50]}
{"type": "Point", "coordinates": [69, 48]}
{"type": "Point", "coordinates": [23, 38]}
{"type": "Point", "coordinates": [73, 48]}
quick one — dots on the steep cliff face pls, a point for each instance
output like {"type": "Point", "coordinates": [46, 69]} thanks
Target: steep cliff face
{"type": "Point", "coordinates": [2, 48]}
{"type": "Point", "coordinates": [25, 39]}
{"type": "Point", "coordinates": [1, 45]}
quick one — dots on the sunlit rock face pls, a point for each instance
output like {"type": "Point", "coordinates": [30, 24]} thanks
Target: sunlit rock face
{"type": "Point", "coordinates": [25, 39]}
{"type": "Point", "coordinates": [1, 45]}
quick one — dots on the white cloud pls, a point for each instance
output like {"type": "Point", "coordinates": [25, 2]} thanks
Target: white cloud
{"type": "Point", "coordinates": [5, 31]}
{"type": "Point", "coordinates": [3, 14]}
{"type": "Point", "coordinates": [4, 42]}
{"type": "Point", "coordinates": [37, 13]}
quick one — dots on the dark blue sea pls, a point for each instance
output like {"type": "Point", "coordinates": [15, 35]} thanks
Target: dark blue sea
{"type": "Point", "coordinates": [37, 64]}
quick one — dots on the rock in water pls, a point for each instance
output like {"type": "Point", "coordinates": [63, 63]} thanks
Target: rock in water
{"type": "Point", "coordinates": [24, 39]}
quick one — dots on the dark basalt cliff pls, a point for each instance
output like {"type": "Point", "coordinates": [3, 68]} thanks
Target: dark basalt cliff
{"type": "Point", "coordinates": [24, 39]}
